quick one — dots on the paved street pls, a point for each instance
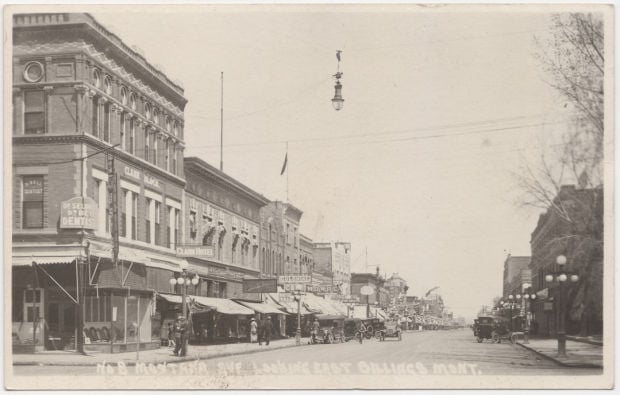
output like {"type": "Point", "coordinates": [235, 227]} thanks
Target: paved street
{"type": "Point", "coordinates": [425, 353]}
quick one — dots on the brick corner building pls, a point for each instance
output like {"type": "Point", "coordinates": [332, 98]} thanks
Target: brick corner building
{"type": "Point", "coordinates": [97, 152]}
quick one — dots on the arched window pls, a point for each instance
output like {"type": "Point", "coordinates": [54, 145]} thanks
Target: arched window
{"type": "Point", "coordinates": [97, 78]}
{"type": "Point", "coordinates": [124, 96]}
{"type": "Point", "coordinates": [156, 116]}
{"type": "Point", "coordinates": [147, 111]}
{"type": "Point", "coordinates": [168, 124]}
{"type": "Point", "coordinates": [132, 101]}
{"type": "Point", "coordinates": [107, 85]}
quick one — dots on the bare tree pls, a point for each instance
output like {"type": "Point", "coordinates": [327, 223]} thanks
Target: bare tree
{"type": "Point", "coordinates": [573, 57]}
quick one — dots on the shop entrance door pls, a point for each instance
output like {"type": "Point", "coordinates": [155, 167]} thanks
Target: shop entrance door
{"type": "Point", "coordinates": [61, 326]}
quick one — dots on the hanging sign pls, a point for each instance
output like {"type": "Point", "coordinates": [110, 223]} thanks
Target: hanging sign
{"type": "Point", "coordinates": [294, 279]}
{"type": "Point", "coordinates": [78, 213]}
{"type": "Point", "coordinates": [260, 285]}
{"type": "Point", "coordinates": [195, 251]}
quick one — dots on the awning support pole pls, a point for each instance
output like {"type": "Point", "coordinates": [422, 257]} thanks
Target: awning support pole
{"type": "Point", "coordinates": [91, 278]}
{"type": "Point", "coordinates": [127, 274]}
{"type": "Point", "coordinates": [59, 286]}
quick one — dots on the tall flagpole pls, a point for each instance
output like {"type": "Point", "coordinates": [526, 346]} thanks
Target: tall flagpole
{"type": "Point", "coordinates": [287, 169]}
{"type": "Point", "coordinates": [222, 124]}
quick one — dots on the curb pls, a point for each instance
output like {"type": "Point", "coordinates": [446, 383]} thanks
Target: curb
{"type": "Point", "coordinates": [552, 359]}
{"type": "Point", "coordinates": [175, 360]}
{"type": "Point", "coordinates": [587, 341]}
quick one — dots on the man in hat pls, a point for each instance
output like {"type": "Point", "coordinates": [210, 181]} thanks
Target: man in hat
{"type": "Point", "coordinates": [315, 330]}
{"type": "Point", "coordinates": [267, 328]}
{"type": "Point", "coordinates": [180, 336]}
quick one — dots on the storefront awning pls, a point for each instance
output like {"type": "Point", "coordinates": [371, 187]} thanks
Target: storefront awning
{"type": "Point", "coordinates": [147, 258]}
{"type": "Point", "coordinates": [40, 260]}
{"type": "Point", "coordinates": [173, 298]}
{"type": "Point", "coordinates": [224, 306]}
{"type": "Point", "coordinates": [290, 306]}
{"type": "Point", "coordinates": [263, 308]}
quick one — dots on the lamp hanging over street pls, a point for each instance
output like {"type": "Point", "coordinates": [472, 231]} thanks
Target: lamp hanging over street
{"type": "Point", "coordinates": [338, 101]}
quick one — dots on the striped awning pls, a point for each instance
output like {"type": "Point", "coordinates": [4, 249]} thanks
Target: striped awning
{"type": "Point", "coordinates": [172, 298]}
{"type": "Point", "coordinates": [42, 260]}
{"type": "Point", "coordinates": [263, 308]}
{"type": "Point", "coordinates": [221, 305]}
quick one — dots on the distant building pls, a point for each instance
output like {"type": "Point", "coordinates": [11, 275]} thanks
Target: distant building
{"type": "Point", "coordinates": [396, 287]}
{"type": "Point", "coordinates": [280, 244]}
{"type": "Point", "coordinates": [432, 305]}
{"type": "Point", "coordinates": [333, 260]}
{"type": "Point", "coordinates": [306, 247]}
{"type": "Point", "coordinates": [513, 265]}
{"type": "Point", "coordinates": [380, 295]}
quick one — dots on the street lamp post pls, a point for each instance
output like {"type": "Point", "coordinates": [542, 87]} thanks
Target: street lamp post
{"type": "Point", "coordinates": [561, 276]}
{"type": "Point", "coordinates": [511, 305]}
{"type": "Point", "coordinates": [297, 294]}
{"type": "Point", "coordinates": [184, 281]}
{"type": "Point", "coordinates": [527, 297]}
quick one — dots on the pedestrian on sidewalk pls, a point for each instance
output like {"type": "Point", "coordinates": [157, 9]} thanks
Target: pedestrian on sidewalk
{"type": "Point", "coordinates": [267, 329]}
{"type": "Point", "coordinates": [180, 337]}
{"type": "Point", "coordinates": [170, 335]}
{"type": "Point", "coordinates": [253, 331]}
{"type": "Point", "coordinates": [315, 331]}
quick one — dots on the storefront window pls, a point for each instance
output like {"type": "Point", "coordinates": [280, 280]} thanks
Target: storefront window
{"type": "Point", "coordinates": [132, 319]}
{"type": "Point", "coordinates": [97, 316]}
{"type": "Point", "coordinates": [118, 318]}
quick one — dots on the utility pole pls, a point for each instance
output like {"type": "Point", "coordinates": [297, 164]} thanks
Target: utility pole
{"type": "Point", "coordinates": [113, 221]}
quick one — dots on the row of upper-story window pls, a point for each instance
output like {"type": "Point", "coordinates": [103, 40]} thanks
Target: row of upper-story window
{"type": "Point", "coordinates": [289, 236]}
{"type": "Point", "coordinates": [153, 228]}
{"type": "Point", "coordinates": [203, 215]}
{"type": "Point", "coordinates": [129, 98]}
{"type": "Point", "coordinates": [146, 217]}
{"type": "Point", "coordinates": [123, 95]}
{"type": "Point", "coordinates": [157, 148]}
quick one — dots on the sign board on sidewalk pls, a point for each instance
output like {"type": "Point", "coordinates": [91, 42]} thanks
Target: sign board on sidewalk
{"type": "Point", "coordinates": [294, 279]}
{"type": "Point", "coordinates": [78, 213]}
{"type": "Point", "coordinates": [260, 285]}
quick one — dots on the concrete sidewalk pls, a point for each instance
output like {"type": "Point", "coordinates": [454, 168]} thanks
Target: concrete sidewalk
{"type": "Point", "coordinates": [160, 355]}
{"type": "Point", "coordinates": [578, 354]}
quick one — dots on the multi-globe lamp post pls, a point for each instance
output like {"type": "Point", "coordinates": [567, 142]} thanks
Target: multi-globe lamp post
{"type": "Point", "coordinates": [184, 281]}
{"type": "Point", "coordinates": [511, 304]}
{"type": "Point", "coordinates": [561, 276]}
{"type": "Point", "coordinates": [527, 299]}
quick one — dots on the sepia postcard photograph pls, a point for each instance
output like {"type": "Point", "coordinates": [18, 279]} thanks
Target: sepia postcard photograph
{"type": "Point", "coordinates": [309, 196]}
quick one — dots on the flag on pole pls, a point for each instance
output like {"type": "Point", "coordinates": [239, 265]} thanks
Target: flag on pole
{"type": "Point", "coordinates": [284, 164]}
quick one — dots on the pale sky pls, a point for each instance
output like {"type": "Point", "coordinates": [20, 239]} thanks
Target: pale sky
{"type": "Point", "coordinates": [439, 109]}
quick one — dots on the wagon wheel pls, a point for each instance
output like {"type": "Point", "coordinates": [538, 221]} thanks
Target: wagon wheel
{"type": "Point", "coordinates": [479, 339]}
{"type": "Point", "coordinates": [495, 337]}
{"type": "Point", "coordinates": [330, 338]}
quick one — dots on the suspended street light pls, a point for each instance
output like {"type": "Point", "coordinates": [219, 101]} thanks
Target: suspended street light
{"type": "Point", "coordinates": [338, 101]}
